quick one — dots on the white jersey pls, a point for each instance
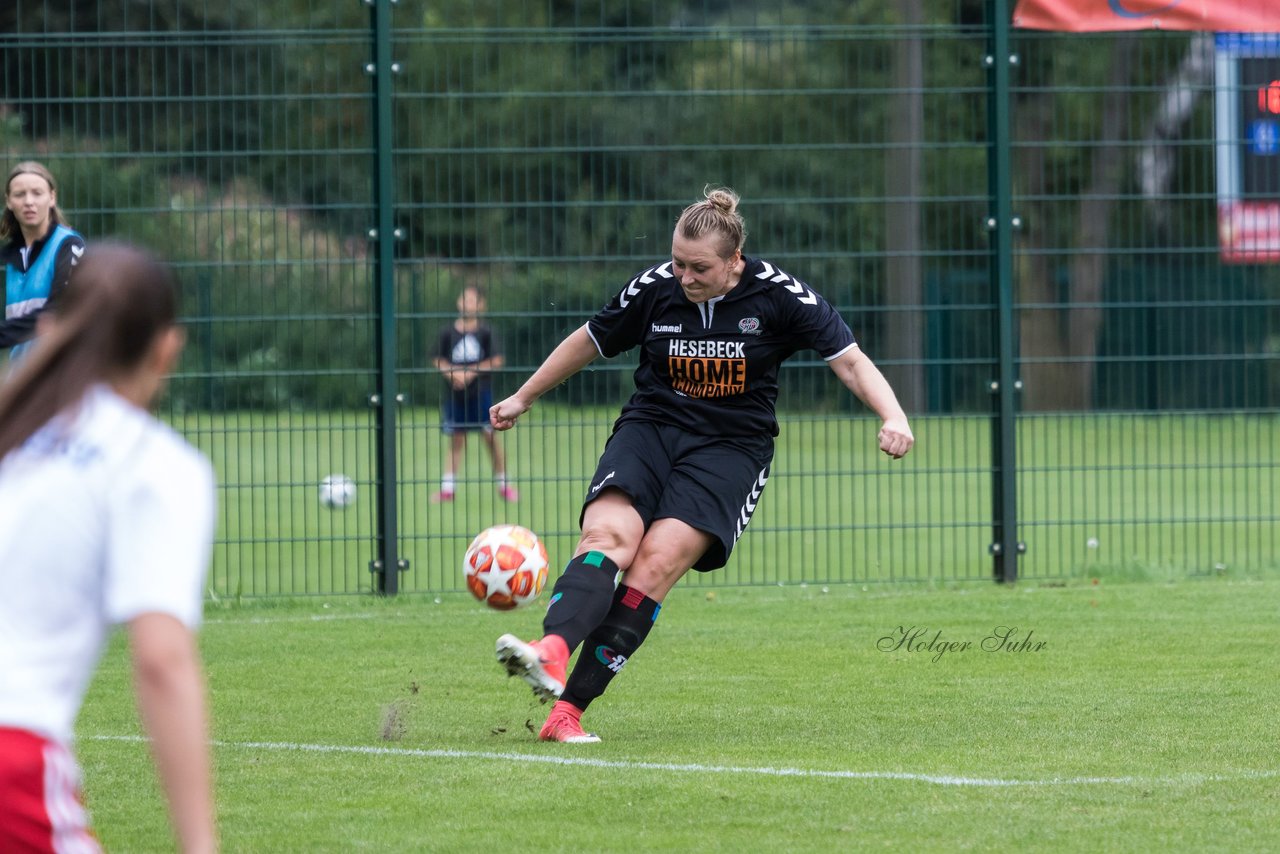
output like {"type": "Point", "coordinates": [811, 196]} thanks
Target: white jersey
{"type": "Point", "coordinates": [105, 514]}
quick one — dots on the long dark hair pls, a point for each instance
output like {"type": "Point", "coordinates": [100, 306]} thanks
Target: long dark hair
{"type": "Point", "coordinates": [9, 226]}
{"type": "Point", "coordinates": [118, 300]}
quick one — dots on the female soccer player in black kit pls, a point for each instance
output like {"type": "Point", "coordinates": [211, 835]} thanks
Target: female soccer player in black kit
{"type": "Point", "coordinates": [689, 456]}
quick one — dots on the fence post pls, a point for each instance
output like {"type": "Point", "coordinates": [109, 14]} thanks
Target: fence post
{"type": "Point", "coordinates": [1001, 222]}
{"type": "Point", "coordinates": [386, 564]}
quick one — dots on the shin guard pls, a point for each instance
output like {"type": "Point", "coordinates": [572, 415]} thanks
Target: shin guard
{"type": "Point", "coordinates": [581, 598]}
{"type": "Point", "coordinates": [607, 648]}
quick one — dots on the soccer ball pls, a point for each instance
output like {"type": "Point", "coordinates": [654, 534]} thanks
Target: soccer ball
{"type": "Point", "coordinates": [505, 566]}
{"type": "Point", "coordinates": [337, 490]}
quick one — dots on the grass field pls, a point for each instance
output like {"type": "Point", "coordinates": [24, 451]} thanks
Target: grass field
{"type": "Point", "coordinates": [754, 719]}
{"type": "Point", "coordinates": [1148, 496]}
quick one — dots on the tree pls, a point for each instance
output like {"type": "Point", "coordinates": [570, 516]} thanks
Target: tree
{"type": "Point", "coordinates": [1059, 330]}
{"type": "Point", "coordinates": [904, 269]}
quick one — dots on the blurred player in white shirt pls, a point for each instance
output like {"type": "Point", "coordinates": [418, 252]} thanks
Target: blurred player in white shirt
{"type": "Point", "coordinates": [106, 518]}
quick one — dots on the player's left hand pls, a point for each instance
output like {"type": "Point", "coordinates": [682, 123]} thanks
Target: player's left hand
{"type": "Point", "coordinates": [895, 438]}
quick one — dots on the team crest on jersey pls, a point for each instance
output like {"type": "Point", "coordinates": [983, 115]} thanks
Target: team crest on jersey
{"type": "Point", "coordinates": [749, 326]}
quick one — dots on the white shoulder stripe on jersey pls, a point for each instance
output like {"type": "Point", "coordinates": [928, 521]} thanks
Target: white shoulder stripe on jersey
{"type": "Point", "coordinates": [19, 309]}
{"type": "Point", "coordinates": [628, 292]}
{"type": "Point", "coordinates": [633, 287]}
{"type": "Point", "coordinates": [797, 287]}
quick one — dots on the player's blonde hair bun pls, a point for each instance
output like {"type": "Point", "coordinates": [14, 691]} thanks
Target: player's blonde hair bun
{"type": "Point", "coordinates": [717, 213]}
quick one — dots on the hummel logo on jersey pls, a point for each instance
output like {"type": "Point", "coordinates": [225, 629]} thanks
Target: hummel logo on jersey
{"type": "Point", "coordinates": [667, 327]}
{"type": "Point", "coordinates": [610, 659]}
{"type": "Point", "coordinates": [599, 485]}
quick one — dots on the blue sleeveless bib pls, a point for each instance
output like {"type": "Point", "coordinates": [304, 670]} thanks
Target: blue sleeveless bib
{"type": "Point", "coordinates": [29, 291]}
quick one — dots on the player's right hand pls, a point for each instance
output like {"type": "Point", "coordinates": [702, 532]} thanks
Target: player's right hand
{"type": "Point", "coordinates": [895, 438]}
{"type": "Point", "coordinates": [503, 414]}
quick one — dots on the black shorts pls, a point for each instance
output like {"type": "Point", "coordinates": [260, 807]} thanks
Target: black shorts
{"type": "Point", "coordinates": [710, 483]}
{"type": "Point", "coordinates": [467, 410]}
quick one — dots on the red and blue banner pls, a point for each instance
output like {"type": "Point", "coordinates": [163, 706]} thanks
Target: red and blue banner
{"type": "Point", "coordinates": [1247, 132]}
{"type": "Point", "coordinates": [1236, 16]}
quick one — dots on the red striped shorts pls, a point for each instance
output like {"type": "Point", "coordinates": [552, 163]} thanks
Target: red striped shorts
{"type": "Point", "coordinates": [40, 806]}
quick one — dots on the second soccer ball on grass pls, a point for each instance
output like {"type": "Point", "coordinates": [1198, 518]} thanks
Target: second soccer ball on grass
{"type": "Point", "coordinates": [337, 490]}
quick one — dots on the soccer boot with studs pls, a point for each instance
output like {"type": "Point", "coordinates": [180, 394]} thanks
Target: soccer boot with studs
{"type": "Point", "coordinates": [541, 664]}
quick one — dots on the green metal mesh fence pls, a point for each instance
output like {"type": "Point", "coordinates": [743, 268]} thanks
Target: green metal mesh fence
{"type": "Point", "coordinates": [1149, 364]}
{"type": "Point", "coordinates": [543, 151]}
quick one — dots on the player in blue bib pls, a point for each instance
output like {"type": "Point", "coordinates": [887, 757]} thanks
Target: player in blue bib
{"type": "Point", "coordinates": [689, 456]}
{"type": "Point", "coordinates": [39, 252]}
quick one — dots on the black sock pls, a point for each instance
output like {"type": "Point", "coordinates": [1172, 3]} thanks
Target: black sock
{"type": "Point", "coordinates": [608, 647]}
{"type": "Point", "coordinates": [580, 598]}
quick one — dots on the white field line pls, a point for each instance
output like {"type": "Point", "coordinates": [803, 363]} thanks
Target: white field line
{"type": "Point", "coordinates": [432, 612]}
{"type": "Point", "coordinates": [697, 768]}
{"type": "Point", "coordinates": [306, 618]}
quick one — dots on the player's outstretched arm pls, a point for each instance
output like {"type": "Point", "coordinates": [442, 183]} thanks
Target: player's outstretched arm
{"type": "Point", "coordinates": [171, 700]}
{"type": "Point", "coordinates": [572, 355]}
{"type": "Point", "coordinates": [863, 378]}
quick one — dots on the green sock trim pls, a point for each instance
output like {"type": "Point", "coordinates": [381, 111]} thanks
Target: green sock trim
{"type": "Point", "coordinates": [594, 558]}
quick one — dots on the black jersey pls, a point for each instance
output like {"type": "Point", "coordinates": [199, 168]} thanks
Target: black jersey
{"type": "Point", "coordinates": [712, 368]}
{"type": "Point", "coordinates": [468, 348]}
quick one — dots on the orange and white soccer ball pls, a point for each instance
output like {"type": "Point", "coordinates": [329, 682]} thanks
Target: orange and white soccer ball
{"type": "Point", "coordinates": [505, 566]}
